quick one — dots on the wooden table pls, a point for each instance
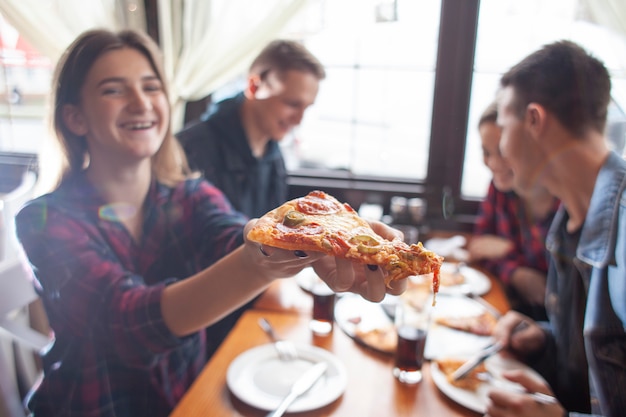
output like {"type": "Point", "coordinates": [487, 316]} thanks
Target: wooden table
{"type": "Point", "coordinates": [371, 390]}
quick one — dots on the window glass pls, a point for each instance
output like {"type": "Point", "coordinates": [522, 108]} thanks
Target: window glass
{"type": "Point", "coordinates": [24, 84]}
{"type": "Point", "coordinates": [508, 30]}
{"type": "Point", "coordinates": [372, 115]}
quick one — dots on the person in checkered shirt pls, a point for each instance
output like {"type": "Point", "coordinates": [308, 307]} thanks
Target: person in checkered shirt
{"type": "Point", "coordinates": [134, 255]}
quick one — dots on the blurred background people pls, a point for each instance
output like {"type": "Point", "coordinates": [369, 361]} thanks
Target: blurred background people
{"type": "Point", "coordinates": [511, 227]}
{"type": "Point", "coordinates": [236, 146]}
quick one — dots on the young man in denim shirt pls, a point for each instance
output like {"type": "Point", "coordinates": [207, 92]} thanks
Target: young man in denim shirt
{"type": "Point", "coordinates": [552, 109]}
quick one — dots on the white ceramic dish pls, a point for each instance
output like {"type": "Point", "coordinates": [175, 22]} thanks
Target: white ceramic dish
{"type": "Point", "coordinates": [352, 310]}
{"type": "Point", "coordinates": [477, 400]}
{"type": "Point", "coordinates": [259, 378]}
{"type": "Point", "coordinates": [475, 281]}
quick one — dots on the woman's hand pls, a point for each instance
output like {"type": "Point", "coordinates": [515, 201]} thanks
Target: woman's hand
{"type": "Point", "coordinates": [274, 262]}
{"type": "Point", "coordinates": [506, 403]}
{"type": "Point", "coordinates": [365, 280]}
{"type": "Point", "coordinates": [340, 274]}
{"type": "Point", "coordinates": [488, 247]}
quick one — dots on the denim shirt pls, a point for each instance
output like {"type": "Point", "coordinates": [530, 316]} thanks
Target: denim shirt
{"type": "Point", "coordinates": [601, 274]}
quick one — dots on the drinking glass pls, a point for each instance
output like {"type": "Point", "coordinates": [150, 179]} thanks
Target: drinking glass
{"type": "Point", "coordinates": [412, 320]}
{"type": "Point", "coordinates": [323, 308]}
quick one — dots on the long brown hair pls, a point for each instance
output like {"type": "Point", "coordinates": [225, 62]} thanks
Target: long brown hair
{"type": "Point", "coordinates": [169, 164]}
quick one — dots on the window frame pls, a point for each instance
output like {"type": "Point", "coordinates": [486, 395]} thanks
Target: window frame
{"type": "Point", "coordinates": [442, 186]}
{"type": "Point", "coordinates": [447, 209]}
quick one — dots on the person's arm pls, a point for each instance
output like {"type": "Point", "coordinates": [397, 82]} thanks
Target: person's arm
{"type": "Point", "coordinates": [533, 343]}
{"type": "Point", "coordinates": [530, 284]}
{"type": "Point", "coordinates": [485, 244]}
{"type": "Point", "coordinates": [505, 402]}
{"type": "Point", "coordinates": [199, 301]}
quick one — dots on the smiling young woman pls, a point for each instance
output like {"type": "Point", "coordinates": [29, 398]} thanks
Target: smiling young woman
{"type": "Point", "coordinates": [138, 262]}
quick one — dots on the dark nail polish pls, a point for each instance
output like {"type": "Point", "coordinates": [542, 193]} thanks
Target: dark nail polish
{"type": "Point", "coordinates": [300, 254]}
{"type": "Point", "coordinates": [372, 267]}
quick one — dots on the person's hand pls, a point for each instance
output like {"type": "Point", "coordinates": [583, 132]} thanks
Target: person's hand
{"type": "Point", "coordinates": [519, 333]}
{"type": "Point", "coordinates": [506, 403]}
{"type": "Point", "coordinates": [530, 284]}
{"type": "Point", "coordinates": [488, 247]}
{"type": "Point", "coordinates": [340, 274]}
{"type": "Point", "coordinates": [366, 280]}
{"type": "Point", "coordinates": [274, 262]}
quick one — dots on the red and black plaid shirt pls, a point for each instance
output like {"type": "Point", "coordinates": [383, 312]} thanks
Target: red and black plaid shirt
{"type": "Point", "coordinates": [503, 214]}
{"type": "Point", "coordinates": [113, 355]}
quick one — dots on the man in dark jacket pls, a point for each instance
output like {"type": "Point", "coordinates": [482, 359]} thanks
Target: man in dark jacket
{"type": "Point", "coordinates": [236, 147]}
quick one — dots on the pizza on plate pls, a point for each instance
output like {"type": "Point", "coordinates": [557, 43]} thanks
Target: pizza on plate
{"type": "Point", "coordinates": [319, 222]}
{"type": "Point", "coordinates": [469, 382]}
{"type": "Point", "coordinates": [481, 324]}
{"type": "Point", "coordinates": [383, 338]}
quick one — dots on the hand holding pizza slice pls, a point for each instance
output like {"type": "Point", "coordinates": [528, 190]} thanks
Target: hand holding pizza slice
{"type": "Point", "coordinates": [319, 222]}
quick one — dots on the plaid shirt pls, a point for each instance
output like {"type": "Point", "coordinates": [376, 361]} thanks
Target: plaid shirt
{"type": "Point", "coordinates": [503, 214]}
{"type": "Point", "coordinates": [113, 355]}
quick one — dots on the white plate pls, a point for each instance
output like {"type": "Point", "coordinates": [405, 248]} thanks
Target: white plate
{"type": "Point", "coordinates": [475, 281]}
{"type": "Point", "coordinates": [477, 400]}
{"type": "Point", "coordinates": [443, 341]}
{"type": "Point", "coordinates": [258, 378]}
{"type": "Point", "coordinates": [352, 311]}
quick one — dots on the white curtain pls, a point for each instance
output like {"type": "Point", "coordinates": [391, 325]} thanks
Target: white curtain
{"type": "Point", "coordinates": [207, 42]}
{"type": "Point", "coordinates": [608, 13]}
{"type": "Point", "coordinates": [51, 25]}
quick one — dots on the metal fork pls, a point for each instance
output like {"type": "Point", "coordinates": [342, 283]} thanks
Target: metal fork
{"type": "Point", "coordinates": [285, 349]}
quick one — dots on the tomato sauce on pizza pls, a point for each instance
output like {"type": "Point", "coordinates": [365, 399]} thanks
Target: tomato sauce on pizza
{"type": "Point", "coordinates": [319, 222]}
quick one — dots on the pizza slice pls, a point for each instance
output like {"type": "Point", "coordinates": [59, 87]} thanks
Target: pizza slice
{"type": "Point", "coordinates": [319, 222]}
{"type": "Point", "coordinates": [384, 339]}
{"type": "Point", "coordinates": [481, 324]}
{"type": "Point", "coordinates": [470, 382]}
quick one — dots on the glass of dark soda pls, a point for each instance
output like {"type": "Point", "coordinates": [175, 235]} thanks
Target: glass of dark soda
{"type": "Point", "coordinates": [412, 320]}
{"type": "Point", "coordinates": [323, 308]}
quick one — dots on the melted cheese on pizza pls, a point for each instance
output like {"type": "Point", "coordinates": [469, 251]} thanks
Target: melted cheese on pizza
{"type": "Point", "coordinates": [319, 222]}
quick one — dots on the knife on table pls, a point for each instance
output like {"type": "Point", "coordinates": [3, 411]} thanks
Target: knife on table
{"type": "Point", "coordinates": [468, 366]}
{"type": "Point", "coordinates": [302, 385]}
{"type": "Point", "coordinates": [490, 350]}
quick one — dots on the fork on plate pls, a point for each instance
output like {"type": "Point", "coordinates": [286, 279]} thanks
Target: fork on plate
{"type": "Point", "coordinates": [286, 350]}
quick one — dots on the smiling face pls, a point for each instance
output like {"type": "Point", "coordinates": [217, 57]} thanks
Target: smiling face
{"type": "Point", "coordinates": [280, 102]}
{"type": "Point", "coordinates": [123, 111]}
{"type": "Point", "coordinates": [490, 140]}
